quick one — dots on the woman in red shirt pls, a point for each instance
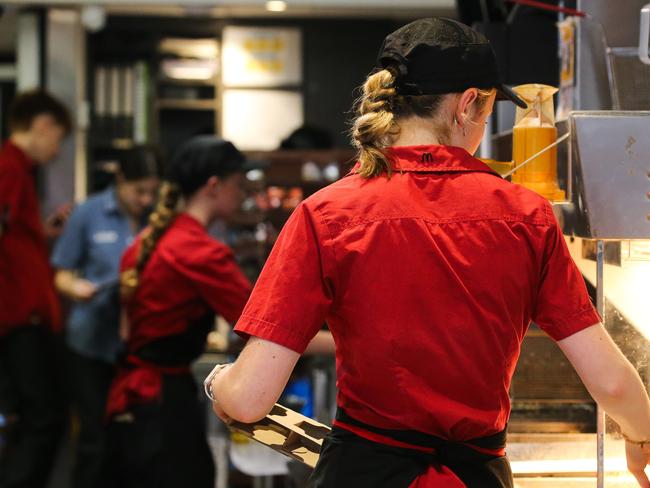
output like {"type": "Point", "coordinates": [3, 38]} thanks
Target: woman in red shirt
{"type": "Point", "coordinates": [175, 278]}
{"type": "Point", "coordinates": [428, 268]}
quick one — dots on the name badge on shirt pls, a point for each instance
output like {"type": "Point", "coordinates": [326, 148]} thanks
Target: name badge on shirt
{"type": "Point", "coordinates": [105, 237]}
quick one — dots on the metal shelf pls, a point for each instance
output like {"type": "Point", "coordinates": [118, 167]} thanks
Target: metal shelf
{"type": "Point", "coordinates": [180, 104]}
{"type": "Point", "coordinates": [178, 82]}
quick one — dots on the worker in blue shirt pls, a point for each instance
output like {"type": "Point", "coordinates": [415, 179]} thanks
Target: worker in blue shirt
{"type": "Point", "coordinates": [87, 258]}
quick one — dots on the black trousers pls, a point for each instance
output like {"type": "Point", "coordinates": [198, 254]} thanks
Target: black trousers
{"type": "Point", "coordinates": [163, 445]}
{"type": "Point", "coordinates": [30, 389]}
{"type": "Point", "coordinates": [88, 382]}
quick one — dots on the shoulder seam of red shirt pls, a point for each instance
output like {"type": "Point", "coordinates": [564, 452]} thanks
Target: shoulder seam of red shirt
{"type": "Point", "coordinates": [549, 213]}
{"type": "Point", "coordinates": [335, 261]}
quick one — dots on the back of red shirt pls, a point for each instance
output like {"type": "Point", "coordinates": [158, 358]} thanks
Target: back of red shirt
{"type": "Point", "coordinates": [428, 281]}
{"type": "Point", "coordinates": [27, 294]}
{"type": "Point", "coordinates": [188, 275]}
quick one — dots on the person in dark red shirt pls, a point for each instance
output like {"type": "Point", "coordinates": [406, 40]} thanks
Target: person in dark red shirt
{"type": "Point", "coordinates": [428, 268]}
{"type": "Point", "coordinates": [175, 279]}
{"type": "Point", "coordinates": [29, 308]}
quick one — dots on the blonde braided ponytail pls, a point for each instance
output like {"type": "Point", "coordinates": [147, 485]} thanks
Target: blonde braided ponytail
{"type": "Point", "coordinates": [375, 128]}
{"type": "Point", "coordinates": [159, 220]}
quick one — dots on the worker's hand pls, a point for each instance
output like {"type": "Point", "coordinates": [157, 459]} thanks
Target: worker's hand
{"type": "Point", "coordinates": [637, 459]}
{"type": "Point", "coordinates": [54, 224]}
{"type": "Point", "coordinates": [220, 413]}
{"type": "Point", "coordinates": [82, 290]}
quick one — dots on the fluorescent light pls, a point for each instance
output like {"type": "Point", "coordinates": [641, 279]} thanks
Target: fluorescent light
{"type": "Point", "coordinates": [276, 6]}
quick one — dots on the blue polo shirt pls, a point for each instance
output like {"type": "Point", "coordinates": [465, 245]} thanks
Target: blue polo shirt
{"type": "Point", "coordinates": [92, 244]}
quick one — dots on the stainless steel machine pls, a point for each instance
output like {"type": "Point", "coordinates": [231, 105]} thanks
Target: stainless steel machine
{"type": "Point", "coordinates": [609, 159]}
{"type": "Point", "coordinates": [610, 164]}
{"type": "Point", "coordinates": [605, 169]}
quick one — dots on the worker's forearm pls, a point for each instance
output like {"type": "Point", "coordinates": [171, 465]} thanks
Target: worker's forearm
{"type": "Point", "coordinates": [610, 378]}
{"type": "Point", "coordinates": [322, 343]}
{"type": "Point", "coordinates": [248, 389]}
{"type": "Point", "coordinates": [627, 404]}
{"type": "Point", "coordinates": [239, 399]}
{"type": "Point", "coordinates": [64, 281]}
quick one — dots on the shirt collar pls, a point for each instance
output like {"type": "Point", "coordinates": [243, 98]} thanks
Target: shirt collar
{"type": "Point", "coordinates": [186, 221]}
{"type": "Point", "coordinates": [110, 201]}
{"type": "Point", "coordinates": [436, 159]}
{"type": "Point", "coordinates": [18, 154]}
{"type": "Point", "coordinates": [112, 206]}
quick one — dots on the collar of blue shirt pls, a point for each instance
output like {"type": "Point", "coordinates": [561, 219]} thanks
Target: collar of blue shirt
{"type": "Point", "coordinates": [110, 201]}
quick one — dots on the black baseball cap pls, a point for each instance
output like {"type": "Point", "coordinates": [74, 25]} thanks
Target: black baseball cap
{"type": "Point", "coordinates": [437, 55]}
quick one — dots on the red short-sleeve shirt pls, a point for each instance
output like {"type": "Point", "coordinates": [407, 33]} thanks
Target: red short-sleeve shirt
{"type": "Point", "coordinates": [188, 275]}
{"type": "Point", "coordinates": [428, 281]}
{"type": "Point", "coordinates": [27, 295]}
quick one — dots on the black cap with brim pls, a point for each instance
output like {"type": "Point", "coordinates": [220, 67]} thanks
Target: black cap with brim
{"type": "Point", "coordinates": [505, 93]}
{"type": "Point", "coordinates": [436, 56]}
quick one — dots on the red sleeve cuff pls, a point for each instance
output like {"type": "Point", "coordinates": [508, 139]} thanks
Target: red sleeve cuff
{"type": "Point", "coordinates": [561, 329]}
{"type": "Point", "coordinates": [251, 326]}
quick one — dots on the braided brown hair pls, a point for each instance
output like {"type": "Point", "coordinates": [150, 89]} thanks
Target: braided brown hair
{"type": "Point", "coordinates": [159, 220]}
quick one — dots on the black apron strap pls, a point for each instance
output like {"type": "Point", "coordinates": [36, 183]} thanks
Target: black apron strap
{"type": "Point", "coordinates": [493, 442]}
{"type": "Point", "coordinates": [350, 461]}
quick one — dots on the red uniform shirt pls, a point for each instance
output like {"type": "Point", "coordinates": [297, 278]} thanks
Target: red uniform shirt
{"type": "Point", "coordinates": [27, 294]}
{"type": "Point", "coordinates": [189, 275]}
{"type": "Point", "coordinates": [428, 281]}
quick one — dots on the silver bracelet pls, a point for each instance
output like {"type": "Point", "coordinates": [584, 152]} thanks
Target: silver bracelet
{"type": "Point", "coordinates": [641, 444]}
{"type": "Point", "coordinates": [207, 383]}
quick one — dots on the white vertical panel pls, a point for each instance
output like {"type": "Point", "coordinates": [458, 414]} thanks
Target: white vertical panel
{"type": "Point", "coordinates": [246, 121]}
{"type": "Point", "coordinates": [28, 52]}
{"type": "Point", "coordinates": [66, 177]}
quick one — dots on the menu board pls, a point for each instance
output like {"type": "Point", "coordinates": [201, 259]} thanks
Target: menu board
{"type": "Point", "coordinates": [261, 57]}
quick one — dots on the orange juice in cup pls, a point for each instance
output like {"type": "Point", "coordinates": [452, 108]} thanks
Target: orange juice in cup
{"type": "Point", "coordinates": [533, 131]}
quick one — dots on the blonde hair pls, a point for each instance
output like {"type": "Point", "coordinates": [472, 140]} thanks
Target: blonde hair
{"type": "Point", "coordinates": [379, 110]}
{"type": "Point", "coordinates": [159, 221]}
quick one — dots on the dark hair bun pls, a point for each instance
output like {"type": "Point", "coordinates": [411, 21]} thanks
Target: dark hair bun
{"type": "Point", "coordinates": [141, 162]}
{"type": "Point", "coordinates": [201, 158]}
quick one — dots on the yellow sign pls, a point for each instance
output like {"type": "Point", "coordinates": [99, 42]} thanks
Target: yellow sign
{"type": "Point", "coordinates": [264, 65]}
{"type": "Point", "coordinates": [269, 45]}
{"type": "Point", "coordinates": [259, 57]}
